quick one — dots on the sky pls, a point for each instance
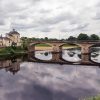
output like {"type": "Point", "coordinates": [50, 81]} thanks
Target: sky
{"type": "Point", "coordinates": [50, 18]}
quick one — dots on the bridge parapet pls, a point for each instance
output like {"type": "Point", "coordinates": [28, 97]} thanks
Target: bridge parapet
{"type": "Point", "coordinates": [57, 45]}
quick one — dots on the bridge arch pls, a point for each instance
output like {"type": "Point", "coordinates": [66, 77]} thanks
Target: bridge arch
{"type": "Point", "coordinates": [95, 53]}
{"type": "Point", "coordinates": [32, 46]}
{"type": "Point", "coordinates": [68, 55]}
{"type": "Point", "coordinates": [95, 45]}
{"type": "Point", "coordinates": [68, 44]}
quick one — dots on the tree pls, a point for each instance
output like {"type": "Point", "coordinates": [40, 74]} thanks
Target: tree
{"type": "Point", "coordinates": [71, 38]}
{"type": "Point", "coordinates": [83, 36]}
{"type": "Point", "coordinates": [46, 38]}
{"type": "Point", "coordinates": [94, 37]}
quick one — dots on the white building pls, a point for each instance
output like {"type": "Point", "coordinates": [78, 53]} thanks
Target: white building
{"type": "Point", "coordinates": [12, 38]}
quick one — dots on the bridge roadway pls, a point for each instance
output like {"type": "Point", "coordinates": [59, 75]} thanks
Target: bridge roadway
{"type": "Point", "coordinates": [57, 45]}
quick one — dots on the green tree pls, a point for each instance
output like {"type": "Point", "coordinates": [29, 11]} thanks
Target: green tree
{"type": "Point", "coordinates": [94, 37]}
{"type": "Point", "coordinates": [83, 36]}
{"type": "Point", "coordinates": [46, 38]}
{"type": "Point", "coordinates": [71, 38]}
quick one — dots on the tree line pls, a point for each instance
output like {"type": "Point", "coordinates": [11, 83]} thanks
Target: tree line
{"type": "Point", "coordinates": [85, 37]}
{"type": "Point", "coordinates": [80, 37]}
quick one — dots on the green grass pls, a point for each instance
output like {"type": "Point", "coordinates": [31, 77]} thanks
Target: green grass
{"type": "Point", "coordinates": [11, 50]}
{"type": "Point", "coordinates": [94, 98]}
{"type": "Point", "coordinates": [42, 45]}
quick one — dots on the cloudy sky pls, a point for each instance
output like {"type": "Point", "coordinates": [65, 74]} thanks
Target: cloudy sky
{"type": "Point", "coordinates": [51, 18]}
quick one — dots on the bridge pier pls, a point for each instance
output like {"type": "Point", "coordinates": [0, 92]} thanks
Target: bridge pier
{"type": "Point", "coordinates": [57, 48]}
{"type": "Point", "coordinates": [85, 59]}
{"type": "Point", "coordinates": [56, 57]}
{"type": "Point", "coordinates": [31, 48]}
{"type": "Point", "coordinates": [85, 48]}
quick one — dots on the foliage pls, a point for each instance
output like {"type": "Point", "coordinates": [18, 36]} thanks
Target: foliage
{"type": "Point", "coordinates": [71, 38]}
{"type": "Point", "coordinates": [83, 36]}
{"type": "Point", "coordinates": [46, 38]}
{"type": "Point", "coordinates": [94, 37]}
{"type": "Point", "coordinates": [94, 98]}
{"type": "Point", "coordinates": [11, 50]}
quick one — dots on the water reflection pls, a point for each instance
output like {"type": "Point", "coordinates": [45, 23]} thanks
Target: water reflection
{"type": "Point", "coordinates": [72, 55]}
{"type": "Point", "coordinates": [12, 65]}
{"type": "Point", "coordinates": [43, 55]}
{"type": "Point", "coordinates": [48, 81]}
{"type": "Point", "coordinates": [95, 54]}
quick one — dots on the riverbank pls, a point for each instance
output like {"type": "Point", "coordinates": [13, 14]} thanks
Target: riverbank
{"type": "Point", "coordinates": [93, 98]}
{"type": "Point", "coordinates": [11, 51]}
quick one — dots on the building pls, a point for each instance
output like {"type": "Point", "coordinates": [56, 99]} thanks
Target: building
{"type": "Point", "coordinates": [12, 38]}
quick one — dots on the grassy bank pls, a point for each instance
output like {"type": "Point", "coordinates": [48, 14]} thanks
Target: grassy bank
{"type": "Point", "coordinates": [93, 98]}
{"type": "Point", "coordinates": [7, 51]}
{"type": "Point", "coordinates": [42, 45]}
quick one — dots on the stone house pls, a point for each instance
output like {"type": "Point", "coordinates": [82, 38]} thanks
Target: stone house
{"type": "Point", "coordinates": [12, 38]}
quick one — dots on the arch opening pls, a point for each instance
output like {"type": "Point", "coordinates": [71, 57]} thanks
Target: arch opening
{"type": "Point", "coordinates": [42, 51]}
{"type": "Point", "coordinates": [95, 53]}
{"type": "Point", "coordinates": [71, 52]}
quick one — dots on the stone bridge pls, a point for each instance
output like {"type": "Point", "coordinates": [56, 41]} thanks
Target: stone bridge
{"type": "Point", "coordinates": [57, 45]}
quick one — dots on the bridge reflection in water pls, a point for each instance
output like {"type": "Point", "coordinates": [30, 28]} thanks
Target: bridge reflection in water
{"type": "Point", "coordinates": [66, 57]}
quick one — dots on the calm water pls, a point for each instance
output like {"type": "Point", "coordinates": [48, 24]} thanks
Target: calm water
{"type": "Point", "coordinates": [73, 55]}
{"type": "Point", "coordinates": [23, 80]}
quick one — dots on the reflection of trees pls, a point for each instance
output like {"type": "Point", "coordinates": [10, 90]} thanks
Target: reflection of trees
{"type": "Point", "coordinates": [71, 54]}
{"type": "Point", "coordinates": [46, 53]}
{"type": "Point", "coordinates": [94, 55]}
{"type": "Point", "coordinates": [95, 49]}
{"type": "Point", "coordinates": [80, 56]}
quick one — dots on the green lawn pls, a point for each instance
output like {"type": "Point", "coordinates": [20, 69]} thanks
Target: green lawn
{"type": "Point", "coordinates": [10, 50]}
{"type": "Point", "coordinates": [42, 45]}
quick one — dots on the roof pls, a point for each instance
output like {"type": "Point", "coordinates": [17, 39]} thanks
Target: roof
{"type": "Point", "coordinates": [13, 32]}
{"type": "Point", "coordinates": [6, 38]}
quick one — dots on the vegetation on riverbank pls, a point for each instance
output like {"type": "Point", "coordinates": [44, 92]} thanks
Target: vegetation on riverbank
{"type": "Point", "coordinates": [93, 98]}
{"type": "Point", "coordinates": [43, 45]}
{"type": "Point", "coordinates": [80, 37]}
{"type": "Point", "coordinates": [12, 51]}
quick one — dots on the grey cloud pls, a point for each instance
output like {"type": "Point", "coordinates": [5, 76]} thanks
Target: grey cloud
{"type": "Point", "coordinates": [40, 15]}
{"type": "Point", "coordinates": [78, 27]}
{"type": "Point", "coordinates": [97, 16]}
{"type": "Point", "coordinates": [2, 22]}
{"type": "Point", "coordinates": [97, 11]}
{"type": "Point", "coordinates": [45, 29]}
{"type": "Point", "coordinates": [43, 11]}
{"type": "Point", "coordinates": [22, 26]}
{"type": "Point", "coordinates": [56, 19]}
{"type": "Point", "coordinates": [82, 26]}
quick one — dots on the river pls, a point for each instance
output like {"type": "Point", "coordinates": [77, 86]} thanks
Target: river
{"type": "Point", "coordinates": [24, 80]}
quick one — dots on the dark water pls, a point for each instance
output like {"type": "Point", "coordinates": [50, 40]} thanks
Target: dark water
{"type": "Point", "coordinates": [23, 80]}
